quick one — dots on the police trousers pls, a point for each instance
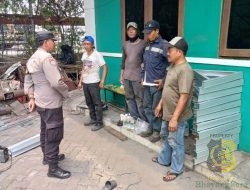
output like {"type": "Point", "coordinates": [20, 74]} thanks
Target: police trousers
{"type": "Point", "coordinates": [51, 134]}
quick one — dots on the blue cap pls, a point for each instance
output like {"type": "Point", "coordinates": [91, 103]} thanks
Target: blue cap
{"type": "Point", "coordinates": [89, 39]}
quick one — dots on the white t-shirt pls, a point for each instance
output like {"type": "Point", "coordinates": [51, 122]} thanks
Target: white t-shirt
{"type": "Point", "coordinates": [91, 67]}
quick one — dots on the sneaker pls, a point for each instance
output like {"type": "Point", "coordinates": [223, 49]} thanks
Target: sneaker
{"type": "Point", "coordinates": [146, 133]}
{"type": "Point", "coordinates": [155, 137]}
{"type": "Point", "coordinates": [91, 122]}
{"type": "Point", "coordinates": [97, 126]}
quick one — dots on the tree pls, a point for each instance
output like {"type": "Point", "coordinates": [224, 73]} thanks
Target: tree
{"type": "Point", "coordinates": [47, 8]}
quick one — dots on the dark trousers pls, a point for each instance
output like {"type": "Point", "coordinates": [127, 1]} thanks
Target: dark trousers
{"type": "Point", "coordinates": [151, 98]}
{"type": "Point", "coordinates": [52, 128]}
{"type": "Point", "coordinates": [93, 100]}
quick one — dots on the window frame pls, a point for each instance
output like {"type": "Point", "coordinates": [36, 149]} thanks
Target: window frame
{"type": "Point", "coordinates": [148, 15]}
{"type": "Point", "coordinates": [223, 50]}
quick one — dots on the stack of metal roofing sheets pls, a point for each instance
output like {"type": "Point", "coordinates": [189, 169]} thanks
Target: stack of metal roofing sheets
{"type": "Point", "coordinates": [216, 107]}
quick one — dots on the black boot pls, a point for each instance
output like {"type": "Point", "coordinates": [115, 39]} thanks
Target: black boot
{"type": "Point", "coordinates": [57, 172]}
{"type": "Point", "coordinates": [60, 157]}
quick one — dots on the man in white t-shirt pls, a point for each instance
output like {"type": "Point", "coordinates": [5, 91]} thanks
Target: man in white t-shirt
{"type": "Point", "coordinates": [92, 83]}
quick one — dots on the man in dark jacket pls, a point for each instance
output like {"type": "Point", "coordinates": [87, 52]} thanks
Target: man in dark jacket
{"type": "Point", "coordinates": [155, 64]}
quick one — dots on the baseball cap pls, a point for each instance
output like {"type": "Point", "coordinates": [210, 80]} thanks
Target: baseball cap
{"type": "Point", "coordinates": [133, 24]}
{"type": "Point", "coordinates": [150, 26]}
{"type": "Point", "coordinates": [45, 35]}
{"type": "Point", "coordinates": [89, 39]}
{"type": "Point", "coordinates": [179, 43]}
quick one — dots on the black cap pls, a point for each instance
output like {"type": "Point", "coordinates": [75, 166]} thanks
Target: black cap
{"type": "Point", "coordinates": [44, 35]}
{"type": "Point", "coordinates": [179, 43]}
{"type": "Point", "coordinates": [150, 26]}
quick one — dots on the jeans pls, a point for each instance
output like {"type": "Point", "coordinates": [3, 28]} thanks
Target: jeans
{"type": "Point", "coordinates": [173, 150]}
{"type": "Point", "coordinates": [93, 101]}
{"type": "Point", "coordinates": [134, 98]}
{"type": "Point", "coordinates": [151, 99]}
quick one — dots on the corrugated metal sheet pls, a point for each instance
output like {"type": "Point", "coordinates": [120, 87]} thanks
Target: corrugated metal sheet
{"type": "Point", "coordinates": [216, 106]}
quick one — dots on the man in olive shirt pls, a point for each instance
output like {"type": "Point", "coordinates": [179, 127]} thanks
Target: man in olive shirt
{"type": "Point", "coordinates": [175, 104]}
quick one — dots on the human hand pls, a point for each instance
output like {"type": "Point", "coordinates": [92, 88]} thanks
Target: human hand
{"type": "Point", "coordinates": [31, 105]}
{"type": "Point", "coordinates": [159, 84]}
{"type": "Point", "coordinates": [121, 79]}
{"type": "Point", "coordinates": [172, 125]}
{"type": "Point", "coordinates": [101, 84]}
{"type": "Point", "coordinates": [158, 110]}
{"type": "Point", "coordinates": [79, 86]}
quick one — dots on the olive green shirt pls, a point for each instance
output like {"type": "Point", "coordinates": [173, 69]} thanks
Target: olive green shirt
{"type": "Point", "coordinates": [179, 80]}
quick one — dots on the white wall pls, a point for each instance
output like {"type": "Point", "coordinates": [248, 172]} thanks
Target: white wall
{"type": "Point", "coordinates": [89, 11]}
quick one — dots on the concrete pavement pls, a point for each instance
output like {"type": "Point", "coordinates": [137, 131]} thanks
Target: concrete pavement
{"type": "Point", "coordinates": [95, 157]}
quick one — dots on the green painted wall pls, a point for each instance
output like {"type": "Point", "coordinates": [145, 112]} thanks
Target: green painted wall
{"type": "Point", "coordinates": [109, 37]}
{"type": "Point", "coordinates": [202, 27]}
{"type": "Point", "coordinates": [108, 25]}
{"type": "Point", "coordinates": [202, 31]}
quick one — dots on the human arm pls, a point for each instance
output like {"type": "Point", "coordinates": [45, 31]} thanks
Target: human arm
{"type": "Point", "coordinates": [173, 123]}
{"type": "Point", "coordinates": [122, 66]}
{"type": "Point", "coordinates": [122, 77]}
{"type": "Point", "coordinates": [29, 90]}
{"type": "Point", "coordinates": [185, 83]}
{"type": "Point", "coordinates": [104, 74]}
{"type": "Point", "coordinates": [80, 80]}
{"type": "Point", "coordinates": [53, 75]}
{"type": "Point", "coordinates": [158, 109]}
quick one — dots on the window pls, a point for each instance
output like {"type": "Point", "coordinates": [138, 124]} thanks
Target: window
{"type": "Point", "coordinates": [166, 13]}
{"type": "Point", "coordinates": [235, 29]}
{"type": "Point", "coordinates": [169, 13]}
{"type": "Point", "coordinates": [134, 12]}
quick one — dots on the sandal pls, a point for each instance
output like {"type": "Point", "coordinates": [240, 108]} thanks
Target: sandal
{"type": "Point", "coordinates": [155, 159]}
{"type": "Point", "coordinates": [170, 176]}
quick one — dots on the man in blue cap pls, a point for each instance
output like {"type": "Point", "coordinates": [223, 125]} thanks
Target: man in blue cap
{"type": "Point", "coordinates": [92, 82]}
{"type": "Point", "coordinates": [154, 72]}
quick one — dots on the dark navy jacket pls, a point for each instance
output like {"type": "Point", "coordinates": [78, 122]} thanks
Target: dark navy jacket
{"type": "Point", "coordinates": [155, 60]}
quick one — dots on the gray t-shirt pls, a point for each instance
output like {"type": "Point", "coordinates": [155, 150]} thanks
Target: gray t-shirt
{"type": "Point", "coordinates": [179, 80]}
{"type": "Point", "coordinates": [132, 58]}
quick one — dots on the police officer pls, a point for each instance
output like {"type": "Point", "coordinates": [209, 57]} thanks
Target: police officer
{"type": "Point", "coordinates": [46, 91]}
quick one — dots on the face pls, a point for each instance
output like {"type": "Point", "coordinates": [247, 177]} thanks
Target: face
{"type": "Point", "coordinates": [49, 45]}
{"type": "Point", "coordinates": [154, 34]}
{"type": "Point", "coordinates": [88, 46]}
{"type": "Point", "coordinates": [173, 54]}
{"type": "Point", "coordinates": [131, 32]}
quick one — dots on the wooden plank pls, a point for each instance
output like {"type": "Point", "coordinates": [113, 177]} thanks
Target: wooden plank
{"type": "Point", "coordinates": [115, 133]}
{"type": "Point", "coordinates": [40, 20]}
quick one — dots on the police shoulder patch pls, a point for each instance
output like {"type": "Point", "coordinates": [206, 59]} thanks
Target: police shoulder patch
{"type": "Point", "coordinates": [52, 61]}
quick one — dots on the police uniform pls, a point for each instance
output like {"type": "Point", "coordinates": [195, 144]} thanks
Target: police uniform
{"type": "Point", "coordinates": [43, 82]}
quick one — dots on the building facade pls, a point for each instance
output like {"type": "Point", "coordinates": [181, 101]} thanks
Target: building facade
{"type": "Point", "coordinates": [218, 33]}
